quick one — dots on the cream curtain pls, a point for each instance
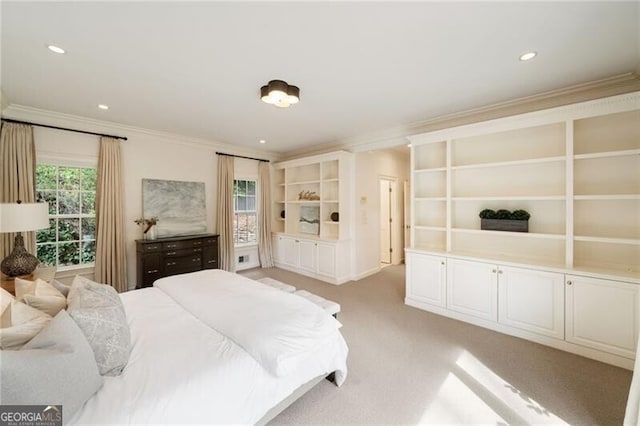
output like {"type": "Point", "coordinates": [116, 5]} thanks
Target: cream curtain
{"type": "Point", "coordinates": [226, 212]}
{"type": "Point", "coordinates": [265, 250]}
{"type": "Point", "coordinates": [111, 266]}
{"type": "Point", "coordinates": [17, 177]}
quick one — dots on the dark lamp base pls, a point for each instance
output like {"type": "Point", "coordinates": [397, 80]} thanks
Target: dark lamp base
{"type": "Point", "coordinates": [20, 261]}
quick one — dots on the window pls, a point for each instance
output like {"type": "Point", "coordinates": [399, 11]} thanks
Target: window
{"type": "Point", "coordinates": [245, 220]}
{"type": "Point", "coordinates": [71, 194]}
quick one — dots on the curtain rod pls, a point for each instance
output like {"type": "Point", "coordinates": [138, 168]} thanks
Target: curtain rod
{"type": "Point", "coordinates": [8, 120]}
{"type": "Point", "coordinates": [242, 156]}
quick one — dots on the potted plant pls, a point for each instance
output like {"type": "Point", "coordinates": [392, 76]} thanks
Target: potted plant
{"type": "Point", "coordinates": [504, 220]}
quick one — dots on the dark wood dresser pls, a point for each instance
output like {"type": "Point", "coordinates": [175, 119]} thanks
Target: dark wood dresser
{"type": "Point", "coordinates": [176, 255]}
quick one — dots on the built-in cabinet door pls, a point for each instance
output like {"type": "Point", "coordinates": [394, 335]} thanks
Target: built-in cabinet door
{"type": "Point", "coordinates": [426, 278]}
{"type": "Point", "coordinates": [327, 259]}
{"type": "Point", "coordinates": [308, 254]}
{"type": "Point", "coordinates": [602, 314]}
{"type": "Point", "coordinates": [472, 288]}
{"type": "Point", "coordinates": [277, 248]}
{"type": "Point", "coordinates": [289, 250]}
{"type": "Point", "coordinates": [531, 300]}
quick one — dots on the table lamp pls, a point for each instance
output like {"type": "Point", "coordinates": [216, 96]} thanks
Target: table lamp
{"type": "Point", "coordinates": [21, 217]}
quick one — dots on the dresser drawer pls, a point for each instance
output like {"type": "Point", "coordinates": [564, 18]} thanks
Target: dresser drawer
{"type": "Point", "coordinates": [183, 252]}
{"type": "Point", "coordinates": [178, 245]}
{"type": "Point", "coordinates": [210, 241]}
{"type": "Point", "coordinates": [181, 265]}
{"type": "Point", "coordinates": [150, 248]}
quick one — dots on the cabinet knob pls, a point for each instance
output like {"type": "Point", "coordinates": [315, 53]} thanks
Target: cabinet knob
{"type": "Point", "coordinates": [442, 262]}
{"type": "Point", "coordinates": [569, 282]}
{"type": "Point", "coordinates": [499, 271]}
{"type": "Point", "coordinates": [494, 271]}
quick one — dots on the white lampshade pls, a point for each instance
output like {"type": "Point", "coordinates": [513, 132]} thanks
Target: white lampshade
{"type": "Point", "coordinates": [20, 217]}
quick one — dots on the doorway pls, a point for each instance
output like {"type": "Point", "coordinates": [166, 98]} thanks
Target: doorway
{"type": "Point", "coordinates": [386, 220]}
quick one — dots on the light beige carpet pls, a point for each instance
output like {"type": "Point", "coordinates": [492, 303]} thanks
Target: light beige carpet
{"type": "Point", "coordinates": [407, 366]}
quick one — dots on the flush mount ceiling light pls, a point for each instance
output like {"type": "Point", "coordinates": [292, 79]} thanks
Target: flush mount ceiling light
{"type": "Point", "coordinates": [280, 94]}
{"type": "Point", "coordinates": [56, 49]}
{"type": "Point", "coordinates": [528, 56]}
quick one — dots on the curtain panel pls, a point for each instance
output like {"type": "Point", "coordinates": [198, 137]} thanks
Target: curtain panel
{"type": "Point", "coordinates": [226, 212]}
{"type": "Point", "coordinates": [265, 250]}
{"type": "Point", "coordinates": [111, 262]}
{"type": "Point", "coordinates": [17, 177]}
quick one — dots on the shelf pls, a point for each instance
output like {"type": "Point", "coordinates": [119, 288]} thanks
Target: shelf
{"type": "Point", "coordinates": [279, 201]}
{"type": "Point", "coordinates": [304, 202]}
{"type": "Point", "coordinates": [510, 234]}
{"type": "Point", "coordinates": [304, 182]}
{"type": "Point", "coordinates": [622, 153]}
{"type": "Point", "coordinates": [513, 198]}
{"type": "Point", "coordinates": [510, 163]}
{"type": "Point", "coordinates": [330, 201]}
{"type": "Point", "coordinates": [436, 169]}
{"type": "Point", "coordinates": [331, 180]}
{"type": "Point", "coordinates": [612, 197]}
{"type": "Point", "coordinates": [627, 241]}
{"type": "Point", "coordinates": [330, 222]}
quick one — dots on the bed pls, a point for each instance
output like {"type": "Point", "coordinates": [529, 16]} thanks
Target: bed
{"type": "Point", "coordinates": [215, 347]}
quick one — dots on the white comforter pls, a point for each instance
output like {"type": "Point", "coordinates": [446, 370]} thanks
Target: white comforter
{"type": "Point", "coordinates": [182, 370]}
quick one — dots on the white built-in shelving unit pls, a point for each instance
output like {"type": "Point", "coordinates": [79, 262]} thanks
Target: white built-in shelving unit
{"type": "Point", "coordinates": [576, 170]}
{"type": "Point", "coordinates": [325, 254]}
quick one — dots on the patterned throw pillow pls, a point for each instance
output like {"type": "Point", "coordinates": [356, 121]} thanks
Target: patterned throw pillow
{"type": "Point", "coordinates": [98, 311]}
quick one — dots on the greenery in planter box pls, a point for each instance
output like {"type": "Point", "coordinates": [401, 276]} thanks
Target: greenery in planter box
{"type": "Point", "coordinates": [504, 214]}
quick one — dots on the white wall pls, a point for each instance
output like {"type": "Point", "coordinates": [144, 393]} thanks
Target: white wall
{"type": "Point", "coordinates": [146, 154]}
{"type": "Point", "coordinates": [369, 168]}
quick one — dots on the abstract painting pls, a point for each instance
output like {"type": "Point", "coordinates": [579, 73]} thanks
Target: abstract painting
{"type": "Point", "coordinates": [309, 220]}
{"type": "Point", "coordinates": [179, 206]}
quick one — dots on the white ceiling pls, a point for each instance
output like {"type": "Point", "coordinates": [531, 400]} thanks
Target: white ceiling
{"type": "Point", "coordinates": [195, 69]}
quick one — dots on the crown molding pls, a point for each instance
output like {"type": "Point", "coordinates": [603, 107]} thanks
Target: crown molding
{"type": "Point", "coordinates": [388, 138]}
{"type": "Point", "coordinates": [36, 115]}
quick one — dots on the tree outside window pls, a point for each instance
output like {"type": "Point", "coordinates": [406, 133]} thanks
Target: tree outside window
{"type": "Point", "coordinates": [70, 192]}
{"type": "Point", "coordinates": [245, 219]}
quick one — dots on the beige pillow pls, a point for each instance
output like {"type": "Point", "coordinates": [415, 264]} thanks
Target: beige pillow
{"type": "Point", "coordinates": [5, 299]}
{"type": "Point", "coordinates": [41, 295]}
{"type": "Point", "coordinates": [19, 324]}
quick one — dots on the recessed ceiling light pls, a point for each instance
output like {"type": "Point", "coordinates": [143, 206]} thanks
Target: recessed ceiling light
{"type": "Point", "coordinates": [55, 49]}
{"type": "Point", "coordinates": [408, 145]}
{"type": "Point", "coordinates": [103, 106]}
{"type": "Point", "coordinates": [528, 56]}
{"type": "Point", "coordinates": [263, 141]}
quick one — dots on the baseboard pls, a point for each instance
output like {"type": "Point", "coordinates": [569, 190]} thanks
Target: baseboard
{"type": "Point", "coordinates": [366, 274]}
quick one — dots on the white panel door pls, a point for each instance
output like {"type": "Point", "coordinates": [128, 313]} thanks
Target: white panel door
{"type": "Point", "coordinates": [289, 250]}
{"type": "Point", "coordinates": [602, 314]}
{"type": "Point", "coordinates": [426, 278]}
{"type": "Point", "coordinates": [531, 300]}
{"type": "Point", "coordinates": [308, 255]}
{"type": "Point", "coordinates": [385, 221]}
{"type": "Point", "coordinates": [472, 288]}
{"type": "Point", "coordinates": [327, 259]}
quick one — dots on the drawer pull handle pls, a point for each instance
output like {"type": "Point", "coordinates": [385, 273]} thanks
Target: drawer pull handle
{"type": "Point", "coordinates": [211, 261]}
{"type": "Point", "coordinates": [197, 250]}
{"type": "Point", "coordinates": [171, 246]}
{"type": "Point", "coordinates": [569, 282]}
{"type": "Point", "coordinates": [171, 263]}
{"type": "Point", "coordinates": [195, 260]}
{"type": "Point", "coordinates": [171, 253]}
{"type": "Point", "coordinates": [153, 271]}
{"type": "Point", "coordinates": [197, 243]}
{"type": "Point", "coordinates": [152, 247]}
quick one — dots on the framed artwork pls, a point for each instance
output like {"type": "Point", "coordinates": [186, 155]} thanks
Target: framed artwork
{"type": "Point", "coordinates": [179, 206]}
{"type": "Point", "coordinates": [309, 220]}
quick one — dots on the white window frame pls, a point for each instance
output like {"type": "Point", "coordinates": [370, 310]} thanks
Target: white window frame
{"type": "Point", "coordinates": [247, 178]}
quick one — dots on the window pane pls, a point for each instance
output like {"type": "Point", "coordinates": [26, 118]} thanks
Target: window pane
{"type": "Point", "coordinates": [251, 203]}
{"type": "Point", "coordinates": [69, 177]}
{"type": "Point", "coordinates": [88, 179]}
{"type": "Point", "coordinates": [68, 254]}
{"type": "Point", "coordinates": [47, 235]}
{"type": "Point", "coordinates": [242, 204]}
{"type": "Point", "coordinates": [88, 251]}
{"type": "Point", "coordinates": [68, 229]}
{"type": "Point", "coordinates": [88, 228]}
{"type": "Point", "coordinates": [252, 228]}
{"type": "Point", "coordinates": [88, 202]}
{"type": "Point", "coordinates": [49, 197]}
{"type": "Point", "coordinates": [251, 187]}
{"type": "Point", "coordinates": [68, 202]}
{"type": "Point", "coordinates": [45, 177]}
{"type": "Point", "coordinates": [46, 253]}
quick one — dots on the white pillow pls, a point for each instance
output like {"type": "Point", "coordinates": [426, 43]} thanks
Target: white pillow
{"type": "Point", "coordinates": [41, 295]}
{"type": "Point", "coordinates": [5, 299]}
{"type": "Point", "coordinates": [19, 324]}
